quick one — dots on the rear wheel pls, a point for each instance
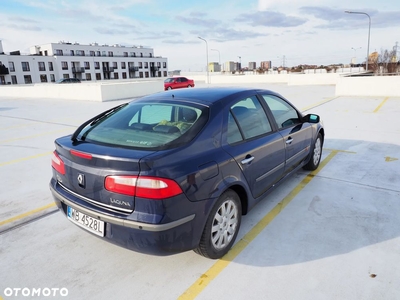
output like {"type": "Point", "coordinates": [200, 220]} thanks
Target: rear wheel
{"type": "Point", "coordinates": [169, 88]}
{"type": "Point", "coordinates": [316, 153]}
{"type": "Point", "coordinates": [222, 226]}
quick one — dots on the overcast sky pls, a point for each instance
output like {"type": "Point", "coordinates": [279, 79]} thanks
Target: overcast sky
{"type": "Point", "coordinates": [294, 32]}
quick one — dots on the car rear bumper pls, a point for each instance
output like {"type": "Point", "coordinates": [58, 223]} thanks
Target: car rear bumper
{"type": "Point", "coordinates": [156, 239]}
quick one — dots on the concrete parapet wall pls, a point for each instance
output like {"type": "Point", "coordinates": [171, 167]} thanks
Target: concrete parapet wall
{"type": "Point", "coordinates": [87, 91]}
{"type": "Point", "coordinates": [313, 79]}
{"type": "Point", "coordinates": [385, 86]}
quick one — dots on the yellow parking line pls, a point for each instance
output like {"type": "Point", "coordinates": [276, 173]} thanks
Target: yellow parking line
{"type": "Point", "coordinates": [10, 162]}
{"type": "Point", "coordinates": [33, 136]}
{"type": "Point", "coordinates": [318, 103]}
{"type": "Point", "coordinates": [27, 214]}
{"type": "Point", "coordinates": [380, 105]}
{"type": "Point", "coordinates": [221, 264]}
{"type": "Point", "coordinates": [336, 150]}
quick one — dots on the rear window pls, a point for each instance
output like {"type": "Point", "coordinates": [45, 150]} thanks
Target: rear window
{"type": "Point", "coordinates": [148, 126]}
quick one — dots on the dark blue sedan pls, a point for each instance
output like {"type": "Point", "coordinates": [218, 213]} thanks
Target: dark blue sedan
{"type": "Point", "coordinates": [175, 171]}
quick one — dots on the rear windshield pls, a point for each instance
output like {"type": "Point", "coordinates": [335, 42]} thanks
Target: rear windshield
{"type": "Point", "coordinates": [152, 126]}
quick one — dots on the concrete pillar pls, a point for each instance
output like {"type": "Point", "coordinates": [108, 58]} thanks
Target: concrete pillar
{"type": "Point", "coordinates": [1, 47]}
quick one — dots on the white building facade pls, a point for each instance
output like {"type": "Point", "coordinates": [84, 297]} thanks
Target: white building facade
{"type": "Point", "coordinates": [50, 62]}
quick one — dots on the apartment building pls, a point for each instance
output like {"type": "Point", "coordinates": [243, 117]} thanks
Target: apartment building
{"type": "Point", "coordinates": [252, 65]}
{"type": "Point", "coordinates": [50, 62]}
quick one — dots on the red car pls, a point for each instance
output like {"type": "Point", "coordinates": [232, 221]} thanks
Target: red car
{"type": "Point", "coordinates": [177, 83]}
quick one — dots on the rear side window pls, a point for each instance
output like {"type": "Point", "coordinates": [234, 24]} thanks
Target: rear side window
{"type": "Point", "coordinates": [148, 125]}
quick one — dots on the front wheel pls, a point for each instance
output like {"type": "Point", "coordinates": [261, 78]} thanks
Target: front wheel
{"type": "Point", "coordinates": [316, 153]}
{"type": "Point", "coordinates": [222, 226]}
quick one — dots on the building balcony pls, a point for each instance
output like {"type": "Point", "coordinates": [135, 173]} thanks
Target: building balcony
{"type": "Point", "coordinates": [108, 69]}
{"type": "Point", "coordinates": [133, 69]}
{"type": "Point", "coordinates": [155, 69]}
{"type": "Point", "coordinates": [78, 70]}
{"type": "Point", "coordinates": [3, 70]}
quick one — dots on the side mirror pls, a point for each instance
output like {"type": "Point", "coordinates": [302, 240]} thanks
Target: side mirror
{"type": "Point", "coordinates": [311, 118]}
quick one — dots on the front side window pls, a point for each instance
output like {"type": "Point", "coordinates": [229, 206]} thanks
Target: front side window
{"type": "Point", "coordinates": [148, 125]}
{"type": "Point", "coordinates": [285, 115]}
{"type": "Point", "coordinates": [247, 119]}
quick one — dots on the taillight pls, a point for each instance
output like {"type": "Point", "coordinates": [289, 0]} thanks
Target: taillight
{"type": "Point", "coordinates": [57, 163]}
{"type": "Point", "coordinates": [143, 186]}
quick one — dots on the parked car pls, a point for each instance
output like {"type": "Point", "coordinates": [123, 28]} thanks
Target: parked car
{"type": "Point", "coordinates": [177, 83]}
{"type": "Point", "coordinates": [68, 80]}
{"type": "Point", "coordinates": [176, 171]}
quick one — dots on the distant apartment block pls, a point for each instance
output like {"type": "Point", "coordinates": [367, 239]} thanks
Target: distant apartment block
{"type": "Point", "coordinates": [252, 65]}
{"type": "Point", "coordinates": [50, 62]}
{"type": "Point", "coordinates": [214, 67]}
{"type": "Point", "coordinates": [230, 66]}
{"type": "Point", "coordinates": [266, 65]}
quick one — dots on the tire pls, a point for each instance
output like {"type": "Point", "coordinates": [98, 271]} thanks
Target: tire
{"type": "Point", "coordinates": [169, 88]}
{"type": "Point", "coordinates": [189, 86]}
{"type": "Point", "coordinates": [222, 226]}
{"type": "Point", "coordinates": [316, 153]}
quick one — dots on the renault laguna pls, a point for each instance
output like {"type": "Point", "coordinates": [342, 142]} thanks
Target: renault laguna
{"type": "Point", "coordinates": [175, 171]}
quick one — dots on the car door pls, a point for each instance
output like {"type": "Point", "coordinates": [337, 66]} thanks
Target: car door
{"type": "Point", "coordinates": [256, 148]}
{"type": "Point", "coordinates": [296, 134]}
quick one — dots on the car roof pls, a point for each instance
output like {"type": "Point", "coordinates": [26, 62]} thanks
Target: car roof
{"type": "Point", "coordinates": [206, 95]}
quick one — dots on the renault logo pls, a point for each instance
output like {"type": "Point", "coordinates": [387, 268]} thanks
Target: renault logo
{"type": "Point", "coordinates": [81, 180]}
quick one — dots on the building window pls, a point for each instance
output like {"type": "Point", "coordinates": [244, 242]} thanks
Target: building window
{"type": "Point", "coordinates": [72, 53]}
{"type": "Point", "coordinates": [88, 76]}
{"type": "Point", "coordinates": [103, 53]}
{"type": "Point", "coordinates": [45, 53]}
{"type": "Point", "coordinates": [124, 75]}
{"type": "Point", "coordinates": [14, 79]}
{"type": "Point", "coordinates": [25, 66]}
{"type": "Point", "coordinates": [159, 73]}
{"type": "Point", "coordinates": [91, 53]}
{"type": "Point", "coordinates": [11, 66]}
{"type": "Point", "coordinates": [123, 65]}
{"type": "Point", "coordinates": [165, 73]}
{"type": "Point", "coordinates": [43, 78]}
{"type": "Point", "coordinates": [97, 53]}
{"type": "Point", "coordinates": [140, 65]}
{"type": "Point", "coordinates": [64, 65]}
{"type": "Point", "coordinates": [110, 53]}
{"type": "Point", "coordinates": [80, 52]}
{"type": "Point", "coordinates": [116, 75]}
{"type": "Point", "coordinates": [98, 76]}
{"type": "Point", "coordinates": [131, 75]}
{"type": "Point", "coordinates": [141, 74]}
{"type": "Point", "coordinates": [28, 79]}
{"type": "Point", "coordinates": [87, 65]}
{"type": "Point", "coordinates": [42, 67]}
{"type": "Point", "coordinates": [146, 74]}
{"type": "Point", "coordinates": [150, 55]}
{"type": "Point", "coordinates": [66, 76]}
{"type": "Point", "coordinates": [164, 64]}
{"type": "Point", "coordinates": [59, 52]}
{"type": "Point", "coordinates": [133, 54]}
{"type": "Point", "coordinates": [52, 78]}
{"type": "Point", "coordinates": [50, 66]}
{"type": "Point", "coordinates": [141, 54]}
{"type": "Point", "coordinates": [146, 65]}
{"type": "Point", "coordinates": [96, 65]}
{"type": "Point", "coordinates": [125, 54]}
{"type": "Point", "coordinates": [115, 65]}
{"type": "Point", "coordinates": [159, 64]}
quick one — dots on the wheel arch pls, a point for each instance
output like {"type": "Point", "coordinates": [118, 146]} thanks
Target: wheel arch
{"type": "Point", "coordinates": [241, 192]}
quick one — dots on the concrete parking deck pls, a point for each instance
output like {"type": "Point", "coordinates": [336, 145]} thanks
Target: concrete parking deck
{"type": "Point", "coordinates": [330, 234]}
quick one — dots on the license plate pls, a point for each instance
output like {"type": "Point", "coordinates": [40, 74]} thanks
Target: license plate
{"type": "Point", "coordinates": [87, 222]}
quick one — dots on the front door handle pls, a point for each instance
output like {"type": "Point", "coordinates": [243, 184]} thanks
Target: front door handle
{"type": "Point", "coordinates": [247, 160]}
{"type": "Point", "coordinates": [289, 141]}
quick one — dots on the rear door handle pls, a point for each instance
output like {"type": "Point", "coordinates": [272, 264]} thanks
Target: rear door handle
{"type": "Point", "coordinates": [289, 141]}
{"type": "Point", "coordinates": [247, 160]}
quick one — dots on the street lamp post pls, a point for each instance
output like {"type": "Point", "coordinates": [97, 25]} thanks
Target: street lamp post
{"type": "Point", "coordinates": [219, 58]}
{"type": "Point", "coordinates": [208, 75]}
{"type": "Point", "coordinates": [369, 30]}
{"type": "Point", "coordinates": [240, 63]}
